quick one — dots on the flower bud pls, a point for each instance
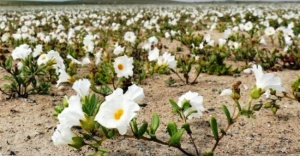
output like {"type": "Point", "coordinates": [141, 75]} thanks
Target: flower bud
{"type": "Point", "coordinates": [274, 110]}
{"type": "Point", "coordinates": [77, 143]}
{"type": "Point", "coordinates": [88, 124]}
{"type": "Point", "coordinates": [268, 105]}
{"type": "Point", "coordinates": [255, 93]}
{"type": "Point", "coordinates": [273, 92]}
{"type": "Point", "coordinates": [257, 107]}
{"type": "Point", "coordinates": [234, 95]}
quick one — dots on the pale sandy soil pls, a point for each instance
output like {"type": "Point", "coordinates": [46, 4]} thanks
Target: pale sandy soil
{"type": "Point", "coordinates": [26, 126]}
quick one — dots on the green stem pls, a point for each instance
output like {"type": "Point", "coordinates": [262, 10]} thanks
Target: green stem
{"type": "Point", "coordinates": [249, 104]}
{"type": "Point", "coordinates": [191, 137]}
{"type": "Point", "coordinates": [238, 105]}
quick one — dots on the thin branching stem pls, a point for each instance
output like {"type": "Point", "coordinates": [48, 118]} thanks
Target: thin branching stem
{"type": "Point", "coordinates": [221, 136]}
{"type": "Point", "coordinates": [191, 137]}
{"type": "Point", "coordinates": [178, 76]}
{"type": "Point", "coordinates": [162, 143]}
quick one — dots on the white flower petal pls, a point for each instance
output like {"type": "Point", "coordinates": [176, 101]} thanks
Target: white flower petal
{"type": "Point", "coordinates": [226, 92]}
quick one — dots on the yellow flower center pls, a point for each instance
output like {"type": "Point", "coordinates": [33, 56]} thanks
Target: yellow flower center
{"type": "Point", "coordinates": [44, 57]}
{"type": "Point", "coordinates": [120, 66]}
{"type": "Point", "coordinates": [118, 114]}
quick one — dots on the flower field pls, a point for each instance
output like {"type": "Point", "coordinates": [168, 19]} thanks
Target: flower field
{"type": "Point", "coordinates": [205, 79]}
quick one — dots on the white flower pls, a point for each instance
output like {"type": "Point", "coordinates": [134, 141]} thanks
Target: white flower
{"type": "Point", "coordinates": [262, 41]}
{"type": "Point", "coordinates": [73, 113]}
{"type": "Point", "coordinates": [5, 36]}
{"type": "Point", "coordinates": [234, 45]}
{"type": "Point", "coordinates": [227, 33]}
{"type": "Point", "coordinates": [153, 40]}
{"type": "Point", "coordinates": [59, 61]}
{"type": "Point", "coordinates": [85, 60]}
{"type": "Point", "coordinates": [211, 43]}
{"type": "Point", "coordinates": [88, 46]}
{"type": "Point", "coordinates": [247, 70]}
{"type": "Point", "coordinates": [167, 59]}
{"type": "Point", "coordinates": [98, 57]}
{"type": "Point", "coordinates": [20, 65]}
{"type": "Point", "coordinates": [43, 59]}
{"type": "Point", "coordinates": [37, 50]}
{"type": "Point", "coordinates": [248, 26]}
{"type": "Point", "coordinates": [196, 102]}
{"type": "Point", "coordinates": [269, 31]}
{"type": "Point", "coordinates": [135, 93]}
{"type": "Point", "coordinates": [123, 66]}
{"type": "Point", "coordinates": [167, 35]}
{"type": "Point", "coordinates": [207, 38]}
{"type": "Point", "coordinates": [147, 46]}
{"type": "Point", "coordinates": [222, 42]}
{"type": "Point", "coordinates": [129, 36]}
{"type": "Point", "coordinates": [82, 87]}
{"type": "Point", "coordinates": [116, 93]}
{"type": "Point", "coordinates": [266, 81]}
{"type": "Point", "coordinates": [62, 135]}
{"type": "Point", "coordinates": [63, 77]}
{"type": "Point", "coordinates": [21, 52]}
{"type": "Point", "coordinates": [226, 92]}
{"type": "Point", "coordinates": [153, 54]}
{"type": "Point", "coordinates": [118, 49]}
{"type": "Point", "coordinates": [73, 59]}
{"type": "Point", "coordinates": [117, 113]}
{"type": "Point", "coordinates": [288, 40]}
{"type": "Point", "coordinates": [201, 45]}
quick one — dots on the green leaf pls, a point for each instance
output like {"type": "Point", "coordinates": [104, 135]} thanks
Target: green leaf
{"type": "Point", "coordinates": [8, 63]}
{"type": "Point", "coordinates": [58, 109]}
{"type": "Point", "coordinates": [155, 122]}
{"type": "Point", "coordinates": [186, 105]}
{"type": "Point", "coordinates": [214, 128]}
{"type": "Point", "coordinates": [172, 128]}
{"type": "Point", "coordinates": [227, 113]}
{"type": "Point", "coordinates": [174, 105]}
{"type": "Point", "coordinates": [191, 112]}
{"type": "Point", "coordinates": [134, 125]}
{"type": "Point", "coordinates": [108, 133]}
{"type": "Point", "coordinates": [111, 134]}
{"type": "Point", "coordinates": [187, 127]}
{"type": "Point", "coordinates": [90, 105]}
{"type": "Point", "coordinates": [142, 130]}
{"type": "Point", "coordinates": [175, 139]}
{"type": "Point", "coordinates": [77, 143]}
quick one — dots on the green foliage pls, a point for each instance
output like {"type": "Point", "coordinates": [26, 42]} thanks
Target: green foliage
{"type": "Point", "coordinates": [296, 89]}
{"type": "Point", "coordinates": [215, 65]}
{"type": "Point", "coordinates": [27, 79]}
{"type": "Point", "coordinates": [91, 104]}
{"type": "Point", "coordinates": [154, 125]}
{"type": "Point", "coordinates": [214, 128]}
{"type": "Point", "coordinates": [227, 113]}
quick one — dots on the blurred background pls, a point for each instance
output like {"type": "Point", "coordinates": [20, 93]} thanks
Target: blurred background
{"type": "Point", "coordinates": [148, 1]}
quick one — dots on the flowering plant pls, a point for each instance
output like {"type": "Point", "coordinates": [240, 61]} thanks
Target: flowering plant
{"type": "Point", "coordinates": [86, 120]}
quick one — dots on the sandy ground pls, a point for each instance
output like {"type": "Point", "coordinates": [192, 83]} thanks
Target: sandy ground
{"type": "Point", "coordinates": [26, 126]}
